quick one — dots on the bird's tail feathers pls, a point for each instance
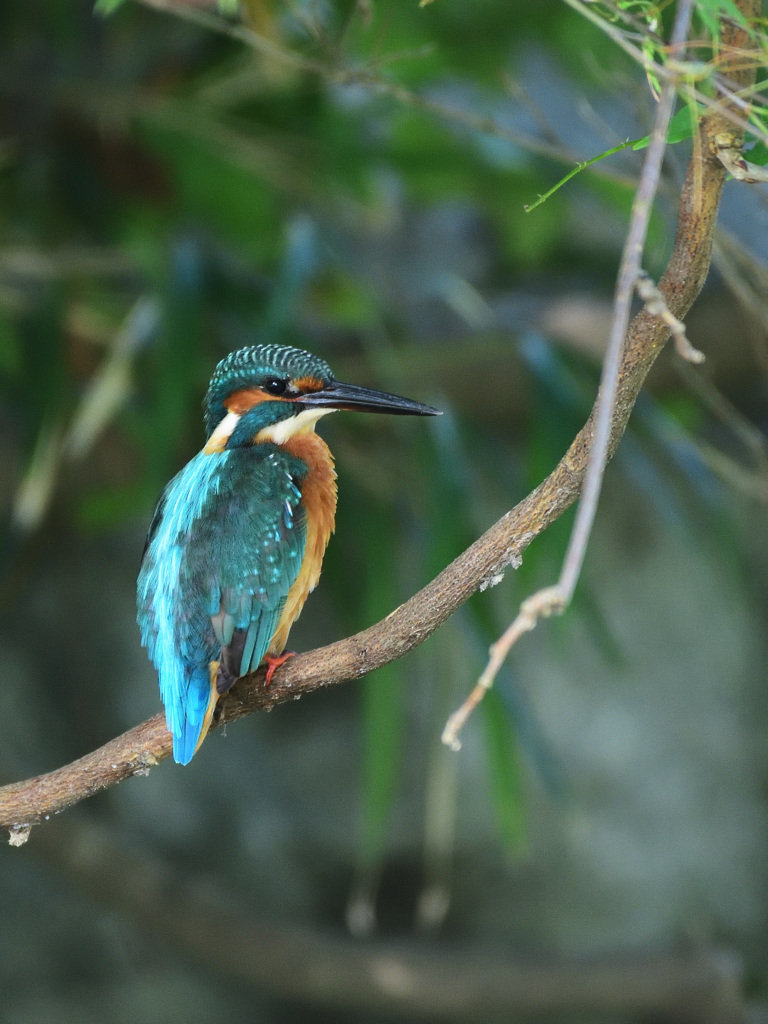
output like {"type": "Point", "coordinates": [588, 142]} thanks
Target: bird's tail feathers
{"type": "Point", "coordinates": [192, 724]}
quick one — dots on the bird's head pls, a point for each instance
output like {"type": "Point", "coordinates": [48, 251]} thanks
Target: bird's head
{"type": "Point", "coordinates": [273, 392]}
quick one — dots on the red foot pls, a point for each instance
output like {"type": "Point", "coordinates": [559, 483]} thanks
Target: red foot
{"type": "Point", "coordinates": [273, 664]}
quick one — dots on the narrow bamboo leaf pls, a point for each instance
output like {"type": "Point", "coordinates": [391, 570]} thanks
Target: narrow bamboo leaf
{"type": "Point", "coordinates": [382, 738]}
{"type": "Point", "coordinates": [577, 169]}
{"type": "Point", "coordinates": [10, 348]}
{"type": "Point", "coordinates": [383, 710]}
{"type": "Point", "coordinates": [758, 154]}
{"type": "Point", "coordinates": [505, 771]}
{"type": "Point", "coordinates": [681, 127]}
{"type": "Point", "coordinates": [710, 12]}
{"type": "Point", "coordinates": [107, 7]}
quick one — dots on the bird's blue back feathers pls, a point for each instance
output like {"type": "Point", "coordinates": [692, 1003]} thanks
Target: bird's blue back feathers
{"type": "Point", "coordinates": [225, 546]}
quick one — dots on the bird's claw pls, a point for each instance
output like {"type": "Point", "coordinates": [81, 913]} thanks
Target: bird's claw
{"type": "Point", "coordinates": [274, 663]}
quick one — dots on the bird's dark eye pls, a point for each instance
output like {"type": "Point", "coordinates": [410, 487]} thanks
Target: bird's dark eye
{"type": "Point", "coordinates": [274, 386]}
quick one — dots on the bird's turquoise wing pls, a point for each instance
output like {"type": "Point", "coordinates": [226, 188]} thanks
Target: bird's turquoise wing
{"type": "Point", "coordinates": [227, 546]}
{"type": "Point", "coordinates": [259, 532]}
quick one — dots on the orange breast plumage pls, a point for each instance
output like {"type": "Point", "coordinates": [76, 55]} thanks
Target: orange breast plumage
{"type": "Point", "coordinates": [318, 496]}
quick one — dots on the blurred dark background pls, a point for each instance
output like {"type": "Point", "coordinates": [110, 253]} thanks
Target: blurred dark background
{"type": "Point", "coordinates": [351, 178]}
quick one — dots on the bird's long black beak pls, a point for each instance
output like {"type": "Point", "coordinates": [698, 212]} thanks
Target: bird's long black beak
{"type": "Point", "coordinates": [351, 396]}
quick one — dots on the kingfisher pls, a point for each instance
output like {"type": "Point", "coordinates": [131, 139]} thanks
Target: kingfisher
{"type": "Point", "coordinates": [237, 540]}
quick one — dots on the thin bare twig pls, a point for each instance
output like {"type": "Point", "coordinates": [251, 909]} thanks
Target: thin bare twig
{"type": "Point", "coordinates": [751, 437]}
{"type": "Point", "coordinates": [747, 279]}
{"type": "Point", "coordinates": [555, 599]}
{"type": "Point", "coordinates": [656, 306]}
{"type": "Point", "coordinates": [752, 484]}
{"type": "Point", "coordinates": [738, 167]}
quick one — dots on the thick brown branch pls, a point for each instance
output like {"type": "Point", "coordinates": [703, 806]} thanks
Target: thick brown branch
{"type": "Point", "coordinates": [23, 804]}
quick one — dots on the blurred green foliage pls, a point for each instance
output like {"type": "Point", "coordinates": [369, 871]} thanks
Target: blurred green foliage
{"type": "Point", "coordinates": [347, 176]}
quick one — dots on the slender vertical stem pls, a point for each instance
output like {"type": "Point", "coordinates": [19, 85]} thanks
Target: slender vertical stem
{"type": "Point", "coordinates": [555, 599]}
{"type": "Point", "coordinates": [629, 271]}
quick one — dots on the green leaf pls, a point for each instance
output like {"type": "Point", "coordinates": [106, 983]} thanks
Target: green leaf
{"type": "Point", "coordinates": [758, 154]}
{"type": "Point", "coordinates": [710, 12]}
{"type": "Point", "coordinates": [107, 7]}
{"type": "Point", "coordinates": [383, 692]}
{"type": "Point", "coordinates": [10, 348]}
{"type": "Point", "coordinates": [681, 127]}
{"type": "Point", "coordinates": [383, 724]}
{"type": "Point", "coordinates": [102, 510]}
{"type": "Point", "coordinates": [505, 771]}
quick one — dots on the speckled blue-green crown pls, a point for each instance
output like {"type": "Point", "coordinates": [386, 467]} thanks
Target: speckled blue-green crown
{"type": "Point", "coordinates": [248, 366]}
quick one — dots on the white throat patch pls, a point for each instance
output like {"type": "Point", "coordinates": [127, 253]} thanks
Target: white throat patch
{"type": "Point", "coordinates": [217, 442]}
{"type": "Point", "coordinates": [277, 433]}
{"type": "Point", "coordinates": [303, 423]}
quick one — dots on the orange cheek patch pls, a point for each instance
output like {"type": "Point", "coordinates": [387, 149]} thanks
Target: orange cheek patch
{"type": "Point", "coordinates": [308, 384]}
{"type": "Point", "coordinates": [242, 401]}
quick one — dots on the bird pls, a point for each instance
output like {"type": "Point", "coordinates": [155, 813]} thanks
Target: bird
{"type": "Point", "coordinates": [238, 536]}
